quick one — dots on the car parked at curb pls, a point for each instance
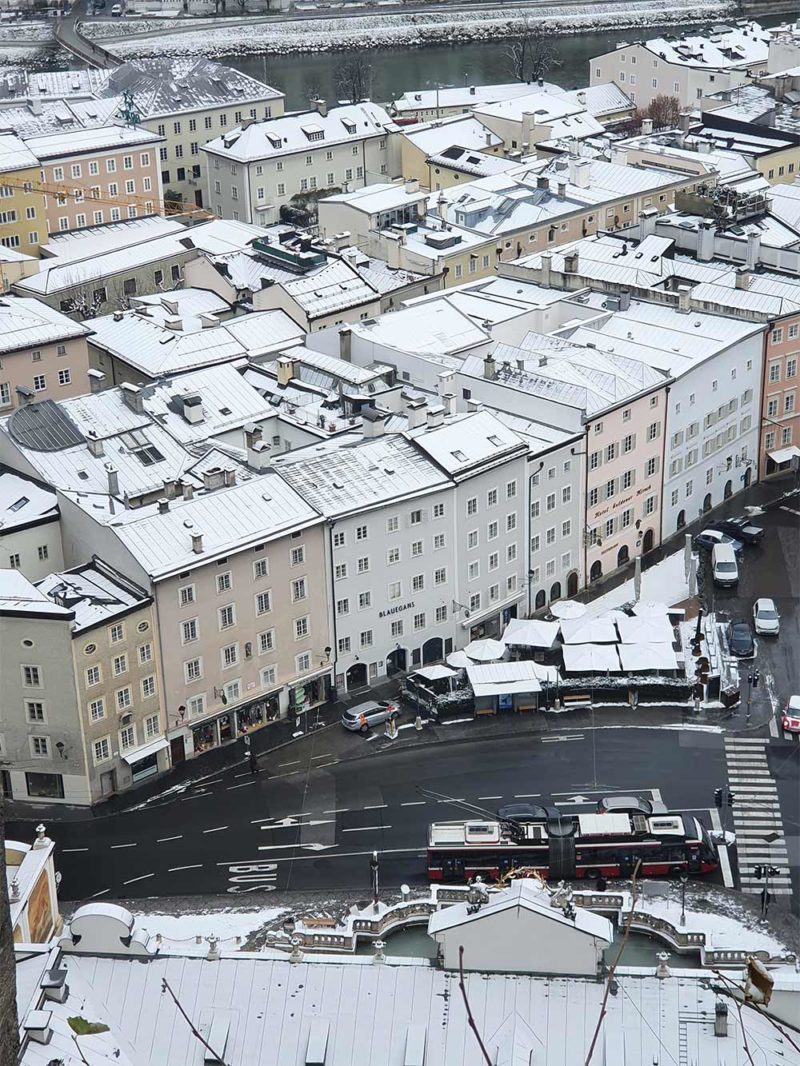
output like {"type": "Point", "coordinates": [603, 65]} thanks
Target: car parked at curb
{"type": "Point", "coordinates": [790, 720]}
{"type": "Point", "coordinates": [630, 805]}
{"type": "Point", "coordinates": [710, 538]}
{"type": "Point", "coordinates": [766, 619]}
{"type": "Point", "coordinates": [740, 639]}
{"type": "Point", "coordinates": [362, 717]}
{"type": "Point", "coordinates": [741, 529]}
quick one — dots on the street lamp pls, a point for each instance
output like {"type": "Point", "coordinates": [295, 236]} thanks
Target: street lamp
{"type": "Point", "coordinates": [373, 869]}
{"type": "Point", "coordinates": [684, 879]}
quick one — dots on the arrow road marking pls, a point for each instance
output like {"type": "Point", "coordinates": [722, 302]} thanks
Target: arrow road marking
{"type": "Point", "coordinates": [556, 740]}
{"type": "Point", "coordinates": [314, 821]}
{"type": "Point", "coordinates": [303, 847]}
{"type": "Point", "coordinates": [572, 800]}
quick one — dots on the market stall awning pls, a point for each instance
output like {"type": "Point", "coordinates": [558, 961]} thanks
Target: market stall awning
{"type": "Point", "coordinates": [783, 455]}
{"type": "Point", "coordinates": [458, 659]}
{"type": "Point", "coordinates": [503, 679]}
{"type": "Point", "coordinates": [138, 754]}
{"type": "Point", "coordinates": [589, 631]}
{"type": "Point", "coordinates": [485, 650]}
{"type": "Point", "coordinates": [638, 657]}
{"type": "Point", "coordinates": [568, 609]}
{"type": "Point", "coordinates": [650, 610]}
{"type": "Point", "coordinates": [530, 633]}
{"type": "Point", "coordinates": [645, 631]}
{"type": "Point", "coordinates": [435, 673]}
{"type": "Point", "coordinates": [591, 659]}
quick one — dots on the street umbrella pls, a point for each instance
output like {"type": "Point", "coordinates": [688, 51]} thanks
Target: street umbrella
{"type": "Point", "coordinates": [459, 660]}
{"type": "Point", "coordinates": [568, 609]}
{"type": "Point", "coordinates": [486, 651]}
{"type": "Point", "coordinates": [646, 609]}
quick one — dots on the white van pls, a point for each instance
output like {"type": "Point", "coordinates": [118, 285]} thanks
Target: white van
{"type": "Point", "coordinates": [724, 568]}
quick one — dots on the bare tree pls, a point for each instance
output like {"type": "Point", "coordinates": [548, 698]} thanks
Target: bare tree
{"type": "Point", "coordinates": [665, 111]}
{"type": "Point", "coordinates": [354, 79]}
{"type": "Point", "coordinates": [531, 55]}
{"type": "Point", "coordinates": [9, 1032]}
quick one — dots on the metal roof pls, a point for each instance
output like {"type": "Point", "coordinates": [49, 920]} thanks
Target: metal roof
{"type": "Point", "coordinates": [44, 427]}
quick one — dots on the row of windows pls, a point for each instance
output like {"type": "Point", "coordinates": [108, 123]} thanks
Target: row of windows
{"type": "Point", "coordinates": [550, 567]}
{"type": "Point", "coordinates": [114, 215]}
{"type": "Point", "coordinates": [222, 119]}
{"type": "Point", "coordinates": [774, 405]}
{"type": "Point", "coordinates": [775, 367]}
{"type": "Point", "coordinates": [101, 749]}
{"type": "Point", "coordinates": [550, 501]}
{"type": "Point", "coordinates": [550, 536]}
{"type": "Point", "coordinates": [769, 438]}
{"type": "Point", "coordinates": [42, 552]}
{"type": "Point", "coordinates": [393, 525]}
{"type": "Point", "coordinates": [40, 383]}
{"type": "Point", "coordinates": [610, 526]}
{"type": "Point", "coordinates": [232, 690]}
{"type": "Point", "coordinates": [93, 168]}
{"type": "Point", "coordinates": [224, 581]}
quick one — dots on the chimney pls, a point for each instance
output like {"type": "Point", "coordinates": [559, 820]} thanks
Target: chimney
{"type": "Point", "coordinates": [489, 368]}
{"type": "Point", "coordinates": [571, 262]}
{"type": "Point", "coordinates": [373, 422]}
{"type": "Point", "coordinates": [647, 126]}
{"type": "Point", "coordinates": [346, 344]}
{"type": "Point", "coordinates": [132, 397]}
{"type": "Point", "coordinates": [474, 406]}
{"type": "Point", "coordinates": [113, 479]}
{"type": "Point", "coordinates": [684, 301]}
{"type": "Point", "coordinates": [252, 434]}
{"type": "Point", "coordinates": [286, 369]}
{"type": "Point", "coordinates": [163, 505]}
{"type": "Point", "coordinates": [258, 456]}
{"type": "Point", "coordinates": [449, 402]}
{"type": "Point", "coordinates": [706, 241]}
{"type": "Point", "coordinates": [96, 379]}
{"type": "Point", "coordinates": [581, 97]}
{"type": "Point", "coordinates": [192, 408]}
{"type": "Point", "coordinates": [647, 222]}
{"type": "Point", "coordinates": [435, 416]}
{"type": "Point", "coordinates": [118, 316]}
{"type": "Point", "coordinates": [208, 321]}
{"type": "Point", "coordinates": [619, 156]}
{"type": "Point", "coordinates": [547, 266]}
{"type": "Point", "coordinates": [321, 107]}
{"type": "Point", "coordinates": [35, 106]}
{"type": "Point", "coordinates": [753, 250]}
{"type": "Point", "coordinates": [416, 413]}
{"type": "Point", "coordinates": [562, 190]}
{"type": "Point", "coordinates": [542, 182]}
{"type": "Point", "coordinates": [685, 122]}
{"type": "Point", "coordinates": [213, 479]}
{"type": "Point", "coordinates": [720, 1018]}
{"type": "Point", "coordinates": [624, 299]}
{"type": "Point", "coordinates": [94, 445]}
{"type": "Point", "coordinates": [229, 477]}
{"type": "Point", "coordinates": [742, 278]}
{"type": "Point", "coordinates": [36, 1025]}
{"type": "Point", "coordinates": [187, 490]}
{"type": "Point", "coordinates": [472, 90]}
{"type": "Point", "coordinates": [197, 543]}
{"type": "Point", "coordinates": [488, 136]}
{"type": "Point", "coordinates": [25, 394]}
{"type": "Point", "coordinates": [412, 185]}
{"type": "Point", "coordinates": [174, 322]}
{"type": "Point", "coordinates": [579, 172]}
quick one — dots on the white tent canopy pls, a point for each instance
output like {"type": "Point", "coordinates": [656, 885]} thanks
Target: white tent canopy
{"type": "Point", "coordinates": [589, 631]}
{"type": "Point", "coordinates": [591, 659]}
{"type": "Point", "coordinates": [650, 610]}
{"type": "Point", "coordinates": [485, 651]}
{"type": "Point", "coordinates": [645, 631]}
{"type": "Point", "coordinates": [503, 679]}
{"type": "Point", "coordinates": [568, 609]}
{"type": "Point", "coordinates": [458, 659]}
{"type": "Point", "coordinates": [530, 633]}
{"type": "Point", "coordinates": [435, 673]}
{"type": "Point", "coordinates": [638, 657]}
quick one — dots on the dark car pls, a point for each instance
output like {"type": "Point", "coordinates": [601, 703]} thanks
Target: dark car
{"type": "Point", "coordinates": [710, 538]}
{"type": "Point", "coordinates": [740, 529]}
{"type": "Point", "coordinates": [630, 805]}
{"type": "Point", "coordinates": [527, 812]}
{"type": "Point", "coordinates": [740, 640]}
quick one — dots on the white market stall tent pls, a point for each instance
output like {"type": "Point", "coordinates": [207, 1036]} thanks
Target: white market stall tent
{"type": "Point", "coordinates": [591, 659]}
{"type": "Point", "coordinates": [530, 633]}
{"type": "Point", "coordinates": [589, 631]}
{"type": "Point", "coordinates": [640, 658]}
{"type": "Point", "coordinates": [648, 630]}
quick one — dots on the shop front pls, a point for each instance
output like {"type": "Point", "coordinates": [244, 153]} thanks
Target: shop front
{"type": "Point", "coordinates": [491, 623]}
{"type": "Point", "coordinates": [309, 693]}
{"type": "Point", "coordinates": [230, 724]}
{"type": "Point", "coordinates": [144, 761]}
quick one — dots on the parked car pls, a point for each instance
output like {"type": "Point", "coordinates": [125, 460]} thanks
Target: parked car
{"type": "Point", "coordinates": [527, 812]}
{"type": "Point", "coordinates": [630, 805]}
{"type": "Point", "coordinates": [791, 715]}
{"type": "Point", "coordinates": [116, 10]}
{"type": "Point", "coordinates": [740, 529]}
{"type": "Point", "coordinates": [740, 640]}
{"type": "Point", "coordinates": [364, 716]}
{"type": "Point", "coordinates": [724, 568]}
{"type": "Point", "coordinates": [766, 618]}
{"type": "Point", "coordinates": [709, 538]}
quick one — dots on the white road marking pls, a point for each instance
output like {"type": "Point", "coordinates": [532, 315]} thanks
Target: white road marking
{"type": "Point", "coordinates": [197, 795]}
{"type": "Point", "coordinates": [327, 755]}
{"type": "Point", "coordinates": [557, 740]}
{"type": "Point", "coordinates": [175, 869]}
{"type": "Point", "coordinates": [244, 784]}
{"type": "Point", "coordinates": [216, 781]}
{"type": "Point", "coordinates": [303, 847]}
{"type": "Point", "coordinates": [242, 775]}
{"type": "Point", "coordinates": [142, 878]}
{"type": "Point", "coordinates": [483, 798]}
{"type": "Point", "coordinates": [366, 828]}
{"type": "Point", "coordinates": [163, 840]}
{"type": "Point", "coordinates": [376, 807]}
{"type": "Point", "coordinates": [115, 846]}
{"type": "Point", "coordinates": [218, 829]}
{"type": "Point", "coordinates": [526, 795]}
{"type": "Point", "coordinates": [338, 810]}
{"type": "Point", "coordinates": [68, 851]}
{"type": "Point", "coordinates": [304, 825]}
{"type": "Point", "coordinates": [338, 855]}
{"type": "Point", "coordinates": [414, 803]}
{"type": "Point", "coordinates": [102, 892]}
{"type": "Point", "coordinates": [294, 762]}
{"type": "Point", "coordinates": [322, 765]}
{"type": "Point", "coordinates": [791, 510]}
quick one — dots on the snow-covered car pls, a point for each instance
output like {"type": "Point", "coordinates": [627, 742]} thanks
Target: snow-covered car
{"type": "Point", "coordinates": [791, 716]}
{"type": "Point", "coordinates": [766, 618]}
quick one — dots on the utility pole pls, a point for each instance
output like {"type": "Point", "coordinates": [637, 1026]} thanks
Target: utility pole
{"type": "Point", "coordinates": [764, 872]}
{"type": "Point", "coordinates": [724, 799]}
{"type": "Point", "coordinates": [373, 869]}
{"type": "Point", "coordinates": [752, 682]}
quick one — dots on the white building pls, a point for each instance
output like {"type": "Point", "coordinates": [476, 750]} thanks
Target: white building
{"type": "Point", "coordinates": [30, 534]}
{"type": "Point", "coordinates": [259, 166]}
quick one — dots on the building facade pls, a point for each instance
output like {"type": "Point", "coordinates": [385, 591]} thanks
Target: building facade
{"type": "Point", "coordinates": [43, 354]}
{"type": "Point", "coordinates": [780, 409]}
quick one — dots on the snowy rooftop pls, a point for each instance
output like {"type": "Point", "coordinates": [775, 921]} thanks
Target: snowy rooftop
{"type": "Point", "coordinates": [94, 593]}
{"type": "Point", "coordinates": [99, 139]}
{"type": "Point", "coordinates": [738, 46]}
{"type": "Point", "coordinates": [428, 329]}
{"type": "Point", "coordinates": [14, 153]}
{"type": "Point", "coordinates": [463, 96]}
{"type": "Point", "coordinates": [334, 287]}
{"type": "Point", "coordinates": [94, 240]}
{"type": "Point", "coordinates": [463, 130]}
{"type": "Point", "coordinates": [469, 161]}
{"type": "Point", "coordinates": [298, 133]}
{"type": "Point", "coordinates": [467, 442]}
{"type": "Point", "coordinates": [602, 100]}
{"type": "Point", "coordinates": [23, 501]}
{"type": "Point", "coordinates": [494, 300]}
{"type": "Point", "coordinates": [26, 323]}
{"type": "Point", "coordinates": [382, 196]}
{"type": "Point", "coordinates": [20, 596]}
{"type": "Point", "coordinates": [346, 476]}
{"type": "Point", "coordinates": [542, 108]}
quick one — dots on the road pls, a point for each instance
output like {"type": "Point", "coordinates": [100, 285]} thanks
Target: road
{"type": "Point", "coordinates": [317, 825]}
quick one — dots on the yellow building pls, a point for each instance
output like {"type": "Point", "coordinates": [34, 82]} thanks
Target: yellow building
{"type": "Point", "coordinates": [22, 216]}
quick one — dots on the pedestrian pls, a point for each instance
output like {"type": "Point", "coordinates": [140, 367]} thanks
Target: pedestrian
{"type": "Point", "coordinates": [253, 761]}
{"type": "Point", "coordinates": [602, 884]}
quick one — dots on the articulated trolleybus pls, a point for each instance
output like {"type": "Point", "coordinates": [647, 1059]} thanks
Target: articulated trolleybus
{"type": "Point", "coordinates": [582, 845]}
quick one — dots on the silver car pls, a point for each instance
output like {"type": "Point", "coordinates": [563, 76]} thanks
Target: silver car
{"type": "Point", "coordinates": [363, 716]}
{"type": "Point", "coordinates": [766, 618]}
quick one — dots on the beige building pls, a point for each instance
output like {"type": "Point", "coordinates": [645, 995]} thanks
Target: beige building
{"type": "Point", "coordinates": [419, 142]}
{"type": "Point", "coordinates": [43, 354]}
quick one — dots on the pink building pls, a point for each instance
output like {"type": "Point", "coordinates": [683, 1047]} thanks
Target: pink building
{"type": "Point", "coordinates": [780, 411]}
{"type": "Point", "coordinates": [43, 354]}
{"type": "Point", "coordinates": [106, 174]}
{"type": "Point", "coordinates": [624, 473]}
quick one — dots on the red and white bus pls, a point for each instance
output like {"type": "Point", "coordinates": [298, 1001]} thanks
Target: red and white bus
{"type": "Point", "coordinates": [583, 845]}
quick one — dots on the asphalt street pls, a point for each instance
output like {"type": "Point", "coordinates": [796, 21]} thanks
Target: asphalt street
{"type": "Point", "coordinates": [316, 825]}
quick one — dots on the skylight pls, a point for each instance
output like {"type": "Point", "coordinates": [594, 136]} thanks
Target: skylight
{"type": "Point", "coordinates": [19, 504]}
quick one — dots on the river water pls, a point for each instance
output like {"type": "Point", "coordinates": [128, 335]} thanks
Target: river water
{"type": "Point", "coordinates": [397, 70]}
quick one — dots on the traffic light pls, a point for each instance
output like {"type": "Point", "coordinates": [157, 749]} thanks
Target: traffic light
{"type": "Point", "coordinates": [758, 871]}
{"type": "Point", "coordinates": [756, 679]}
{"type": "Point", "coordinates": [731, 797]}
{"type": "Point", "coordinates": [750, 679]}
{"type": "Point", "coordinates": [718, 796]}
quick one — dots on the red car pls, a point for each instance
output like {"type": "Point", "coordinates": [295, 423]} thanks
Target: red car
{"type": "Point", "coordinates": [791, 716]}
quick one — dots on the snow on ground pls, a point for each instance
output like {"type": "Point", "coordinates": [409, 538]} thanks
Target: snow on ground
{"type": "Point", "coordinates": [382, 31]}
{"type": "Point", "coordinates": [225, 924]}
{"type": "Point", "coordinates": [663, 583]}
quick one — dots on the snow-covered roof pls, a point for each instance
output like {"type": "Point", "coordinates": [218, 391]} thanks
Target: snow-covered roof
{"type": "Point", "coordinates": [300, 133]}
{"type": "Point", "coordinates": [96, 139]}
{"type": "Point", "coordinates": [26, 323]}
{"type": "Point", "coordinates": [465, 96]}
{"type": "Point", "coordinates": [602, 100]}
{"type": "Point", "coordinates": [381, 196]}
{"type": "Point", "coordinates": [470, 161]}
{"type": "Point", "coordinates": [335, 287]}
{"type": "Point", "coordinates": [21, 597]}
{"type": "Point", "coordinates": [94, 240]}
{"type": "Point", "coordinates": [23, 501]}
{"type": "Point", "coordinates": [543, 107]}
{"type": "Point", "coordinates": [469, 442]}
{"type": "Point", "coordinates": [14, 153]}
{"type": "Point", "coordinates": [435, 329]}
{"type": "Point", "coordinates": [464, 130]}
{"type": "Point", "coordinates": [94, 593]}
{"type": "Point", "coordinates": [733, 47]}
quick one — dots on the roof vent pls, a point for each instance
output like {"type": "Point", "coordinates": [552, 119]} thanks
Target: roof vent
{"type": "Point", "coordinates": [317, 1042]}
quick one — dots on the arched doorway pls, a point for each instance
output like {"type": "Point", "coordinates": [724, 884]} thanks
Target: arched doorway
{"type": "Point", "coordinates": [727, 492]}
{"type": "Point", "coordinates": [596, 572]}
{"type": "Point", "coordinates": [555, 591]}
{"type": "Point", "coordinates": [707, 503]}
{"type": "Point", "coordinates": [432, 650]}
{"type": "Point", "coordinates": [748, 476]}
{"type": "Point", "coordinates": [396, 661]}
{"type": "Point", "coordinates": [681, 520]}
{"type": "Point", "coordinates": [356, 676]}
{"type": "Point", "coordinates": [572, 584]}
{"type": "Point", "coordinates": [623, 555]}
{"type": "Point", "coordinates": [647, 541]}
{"type": "Point", "coordinates": [541, 600]}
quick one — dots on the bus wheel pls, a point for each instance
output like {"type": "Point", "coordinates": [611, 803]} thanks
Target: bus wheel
{"type": "Point", "coordinates": [592, 874]}
{"type": "Point", "coordinates": [676, 871]}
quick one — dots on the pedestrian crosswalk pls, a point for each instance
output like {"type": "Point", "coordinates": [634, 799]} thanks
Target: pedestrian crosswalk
{"type": "Point", "coordinates": [756, 816]}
